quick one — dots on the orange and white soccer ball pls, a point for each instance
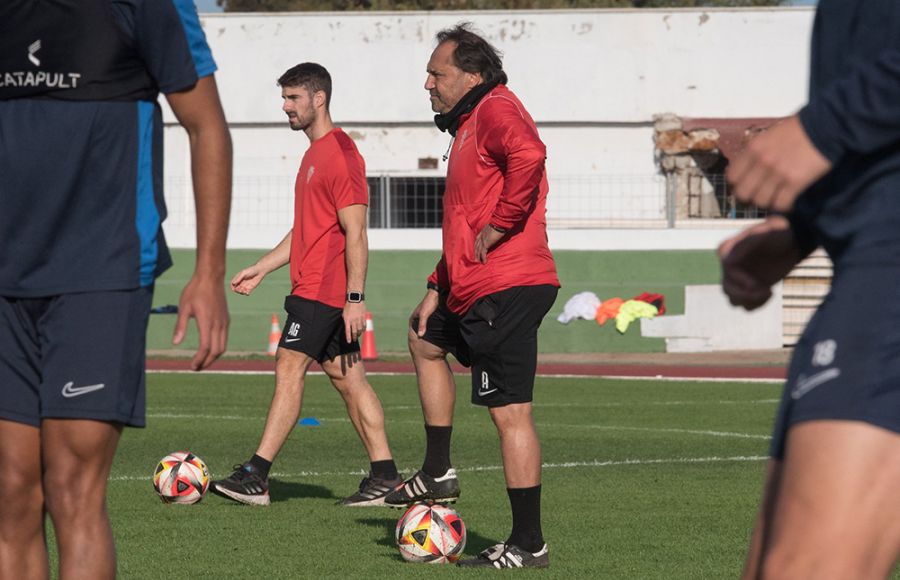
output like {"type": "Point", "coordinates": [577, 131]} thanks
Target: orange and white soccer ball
{"type": "Point", "coordinates": [181, 478]}
{"type": "Point", "coordinates": [431, 533]}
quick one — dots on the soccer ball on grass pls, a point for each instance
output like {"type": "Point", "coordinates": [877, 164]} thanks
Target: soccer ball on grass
{"type": "Point", "coordinates": [431, 533]}
{"type": "Point", "coordinates": [181, 478]}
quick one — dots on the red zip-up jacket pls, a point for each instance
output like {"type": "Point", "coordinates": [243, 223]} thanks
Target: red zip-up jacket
{"type": "Point", "coordinates": [496, 175]}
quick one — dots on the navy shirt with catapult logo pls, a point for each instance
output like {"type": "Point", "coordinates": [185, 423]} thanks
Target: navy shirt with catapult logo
{"type": "Point", "coordinates": [81, 200]}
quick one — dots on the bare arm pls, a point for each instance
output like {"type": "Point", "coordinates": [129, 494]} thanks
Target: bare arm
{"type": "Point", "coordinates": [245, 281]}
{"type": "Point", "coordinates": [757, 258]}
{"type": "Point", "coordinates": [353, 221]}
{"type": "Point", "coordinates": [200, 112]}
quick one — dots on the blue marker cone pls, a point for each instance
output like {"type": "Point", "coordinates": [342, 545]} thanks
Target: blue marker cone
{"type": "Point", "coordinates": [309, 422]}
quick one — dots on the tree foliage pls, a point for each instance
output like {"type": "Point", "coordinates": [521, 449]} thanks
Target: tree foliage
{"type": "Point", "coordinates": [375, 5]}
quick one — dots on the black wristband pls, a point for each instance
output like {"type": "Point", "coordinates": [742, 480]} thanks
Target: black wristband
{"type": "Point", "coordinates": [432, 286]}
{"type": "Point", "coordinates": [498, 229]}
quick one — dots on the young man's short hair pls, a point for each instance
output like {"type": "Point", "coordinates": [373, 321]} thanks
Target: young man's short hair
{"type": "Point", "coordinates": [313, 77]}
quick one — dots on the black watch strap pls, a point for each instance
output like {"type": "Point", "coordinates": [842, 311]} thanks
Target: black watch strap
{"type": "Point", "coordinates": [355, 297]}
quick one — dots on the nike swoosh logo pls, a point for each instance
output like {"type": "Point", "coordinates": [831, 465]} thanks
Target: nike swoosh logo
{"type": "Point", "coordinates": [291, 339]}
{"type": "Point", "coordinates": [70, 390]}
{"type": "Point", "coordinates": [806, 384]}
{"type": "Point", "coordinates": [485, 393]}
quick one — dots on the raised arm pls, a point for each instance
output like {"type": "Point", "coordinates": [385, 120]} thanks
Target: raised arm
{"type": "Point", "coordinates": [200, 112]}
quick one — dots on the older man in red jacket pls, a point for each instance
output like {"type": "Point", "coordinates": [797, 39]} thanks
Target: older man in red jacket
{"type": "Point", "coordinates": [494, 284]}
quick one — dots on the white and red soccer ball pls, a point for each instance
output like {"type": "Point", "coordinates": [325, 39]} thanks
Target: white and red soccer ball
{"type": "Point", "coordinates": [181, 478]}
{"type": "Point", "coordinates": [433, 534]}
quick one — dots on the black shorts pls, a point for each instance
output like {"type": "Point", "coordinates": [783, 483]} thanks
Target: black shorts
{"type": "Point", "coordinates": [315, 329]}
{"type": "Point", "coordinates": [497, 338]}
{"type": "Point", "coordinates": [74, 356]}
{"type": "Point", "coordinates": [846, 365]}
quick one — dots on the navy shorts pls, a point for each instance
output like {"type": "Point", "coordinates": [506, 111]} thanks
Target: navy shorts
{"type": "Point", "coordinates": [315, 329]}
{"type": "Point", "coordinates": [846, 365]}
{"type": "Point", "coordinates": [497, 338]}
{"type": "Point", "coordinates": [74, 356]}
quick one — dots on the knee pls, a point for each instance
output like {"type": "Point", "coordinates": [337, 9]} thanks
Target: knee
{"type": "Point", "coordinates": [21, 497]}
{"type": "Point", "coordinates": [422, 350]}
{"type": "Point", "coordinates": [68, 495]}
{"type": "Point", "coordinates": [509, 417]}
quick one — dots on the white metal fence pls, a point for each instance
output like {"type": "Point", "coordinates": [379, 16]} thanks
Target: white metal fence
{"type": "Point", "coordinates": [407, 201]}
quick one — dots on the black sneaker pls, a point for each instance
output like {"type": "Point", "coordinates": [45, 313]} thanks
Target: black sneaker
{"type": "Point", "coordinates": [508, 556]}
{"type": "Point", "coordinates": [423, 487]}
{"type": "Point", "coordinates": [372, 491]}
{"type": "Point", "coordinates": [244, 486]}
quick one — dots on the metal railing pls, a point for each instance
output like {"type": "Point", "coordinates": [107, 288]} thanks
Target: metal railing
{"type": "Point", "coordinates": [408, 201]}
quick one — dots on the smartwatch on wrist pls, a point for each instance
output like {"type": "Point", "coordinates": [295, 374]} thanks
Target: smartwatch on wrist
{"type": "Point", "coordinates": [355, 297]}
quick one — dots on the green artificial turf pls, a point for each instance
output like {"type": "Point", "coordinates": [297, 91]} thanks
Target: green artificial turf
{"type": "Point", "coordinates": [643, 479]}
{"type": "Point", "coordinates": [396, 283]}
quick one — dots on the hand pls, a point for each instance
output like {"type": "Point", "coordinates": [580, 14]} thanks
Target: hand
{"type": "Point", "coordinates": [424, 311]}
{"type": "Point", "coordinates": [777, 166]}
{"type": "Point", "coordinates": [755, 259]}
{"type": "Point", "coordinates": [245, 281]}
{"type": "Point", "coordinates": [485, 240]}
{"type": "Point", "coordinates": [354, 320]}
{"type": "Point", "coordinates": [203, 299]}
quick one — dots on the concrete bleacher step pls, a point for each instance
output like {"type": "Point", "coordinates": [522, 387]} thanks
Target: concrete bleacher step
{"type": "Point", "coordinates": [711, 323]}
{"type": "Point", "coordinates": [804, 288]}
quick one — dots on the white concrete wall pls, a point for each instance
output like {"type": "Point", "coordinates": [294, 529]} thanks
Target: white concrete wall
{"type": "Point", "coordinates": [592, 79]}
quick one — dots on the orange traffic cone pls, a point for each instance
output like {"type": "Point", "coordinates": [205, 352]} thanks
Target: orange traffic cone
{"type": "Point", "coordinates": [274, 335]}
{"type": "Point", "coordinates": [369, 351]}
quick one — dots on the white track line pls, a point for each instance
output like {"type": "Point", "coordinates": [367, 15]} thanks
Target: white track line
{"type": "Point", "coordinates": [541, 375]}
{"type": "Point", "coordinates": [566, 465]}
{"type": "Point", "coordinates": [664, 430]}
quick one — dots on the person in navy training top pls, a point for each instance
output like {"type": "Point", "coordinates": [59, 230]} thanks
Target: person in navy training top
{"type": "Point", "coordinates": [494, 284]}
{"type": "Point", "coordinates": [81, 245]}
{"type": "Point", "coordinates": [831, 173]}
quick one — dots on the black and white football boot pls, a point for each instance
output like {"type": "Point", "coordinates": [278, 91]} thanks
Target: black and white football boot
{"type": "Point", "coordinates": [423, 487]}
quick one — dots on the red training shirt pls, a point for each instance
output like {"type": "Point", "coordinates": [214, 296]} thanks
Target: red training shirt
{"type": "Point", "coordinates": [332, 176]}
{"type": "Point", "coordinates": [496, 175]}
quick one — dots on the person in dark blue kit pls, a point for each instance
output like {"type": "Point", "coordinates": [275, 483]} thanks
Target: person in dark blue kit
{"type": "Point", "coordinates": [831, 500]}
{"type": "Point", "coordinates": [81, 245]}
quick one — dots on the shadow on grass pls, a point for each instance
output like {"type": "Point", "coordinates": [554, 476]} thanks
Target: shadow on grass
{"type": "Point", "coordinates": [475, 542]}
{"type": "Point", "coordinates": [285, 490]}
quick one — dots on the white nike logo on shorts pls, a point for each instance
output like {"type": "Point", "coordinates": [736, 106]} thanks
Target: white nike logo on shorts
{"type": "Point", "coordinates": [291, 339]}
{"type": "Point", "coordinates": [70, 390]}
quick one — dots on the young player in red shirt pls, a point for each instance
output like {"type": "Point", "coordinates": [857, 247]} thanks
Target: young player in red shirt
{"type": "Point", "coordinates": [328, 253]}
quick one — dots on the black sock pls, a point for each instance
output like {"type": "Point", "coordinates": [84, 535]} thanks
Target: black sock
{"type": "Point", "coordinates": [385, 469]}
{"type": "Point", "coordinates": [437, 450]}
{"type": "Point", "coordinates": [526, 516]}
{"type": "Point", "coordinates": [261, 465]}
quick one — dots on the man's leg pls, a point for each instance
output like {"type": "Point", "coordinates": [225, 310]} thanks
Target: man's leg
{"type": "Point", "coordinates": [77, 457]}
{"type": "Point", "coordinates": [763, 519]}
{"type": "Point", "coordinates": [363, 406]}
{"type": "Point", "coordinates": [249, 482]}
{"type": "Point", "coordinates": [836, 506]}
{"type": "Point", "coordinates": [437, 480]}
{"type": "Point", "coordinates": [284, 410]}
{"type": "Point", "coordinates": [521, 452]}
{"type": "Point", "coordinates": [367, 416]}
{"type": "Point", "coordinates": [437, 390]}
{"type": "Point", "coordinates": [23, 549]}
